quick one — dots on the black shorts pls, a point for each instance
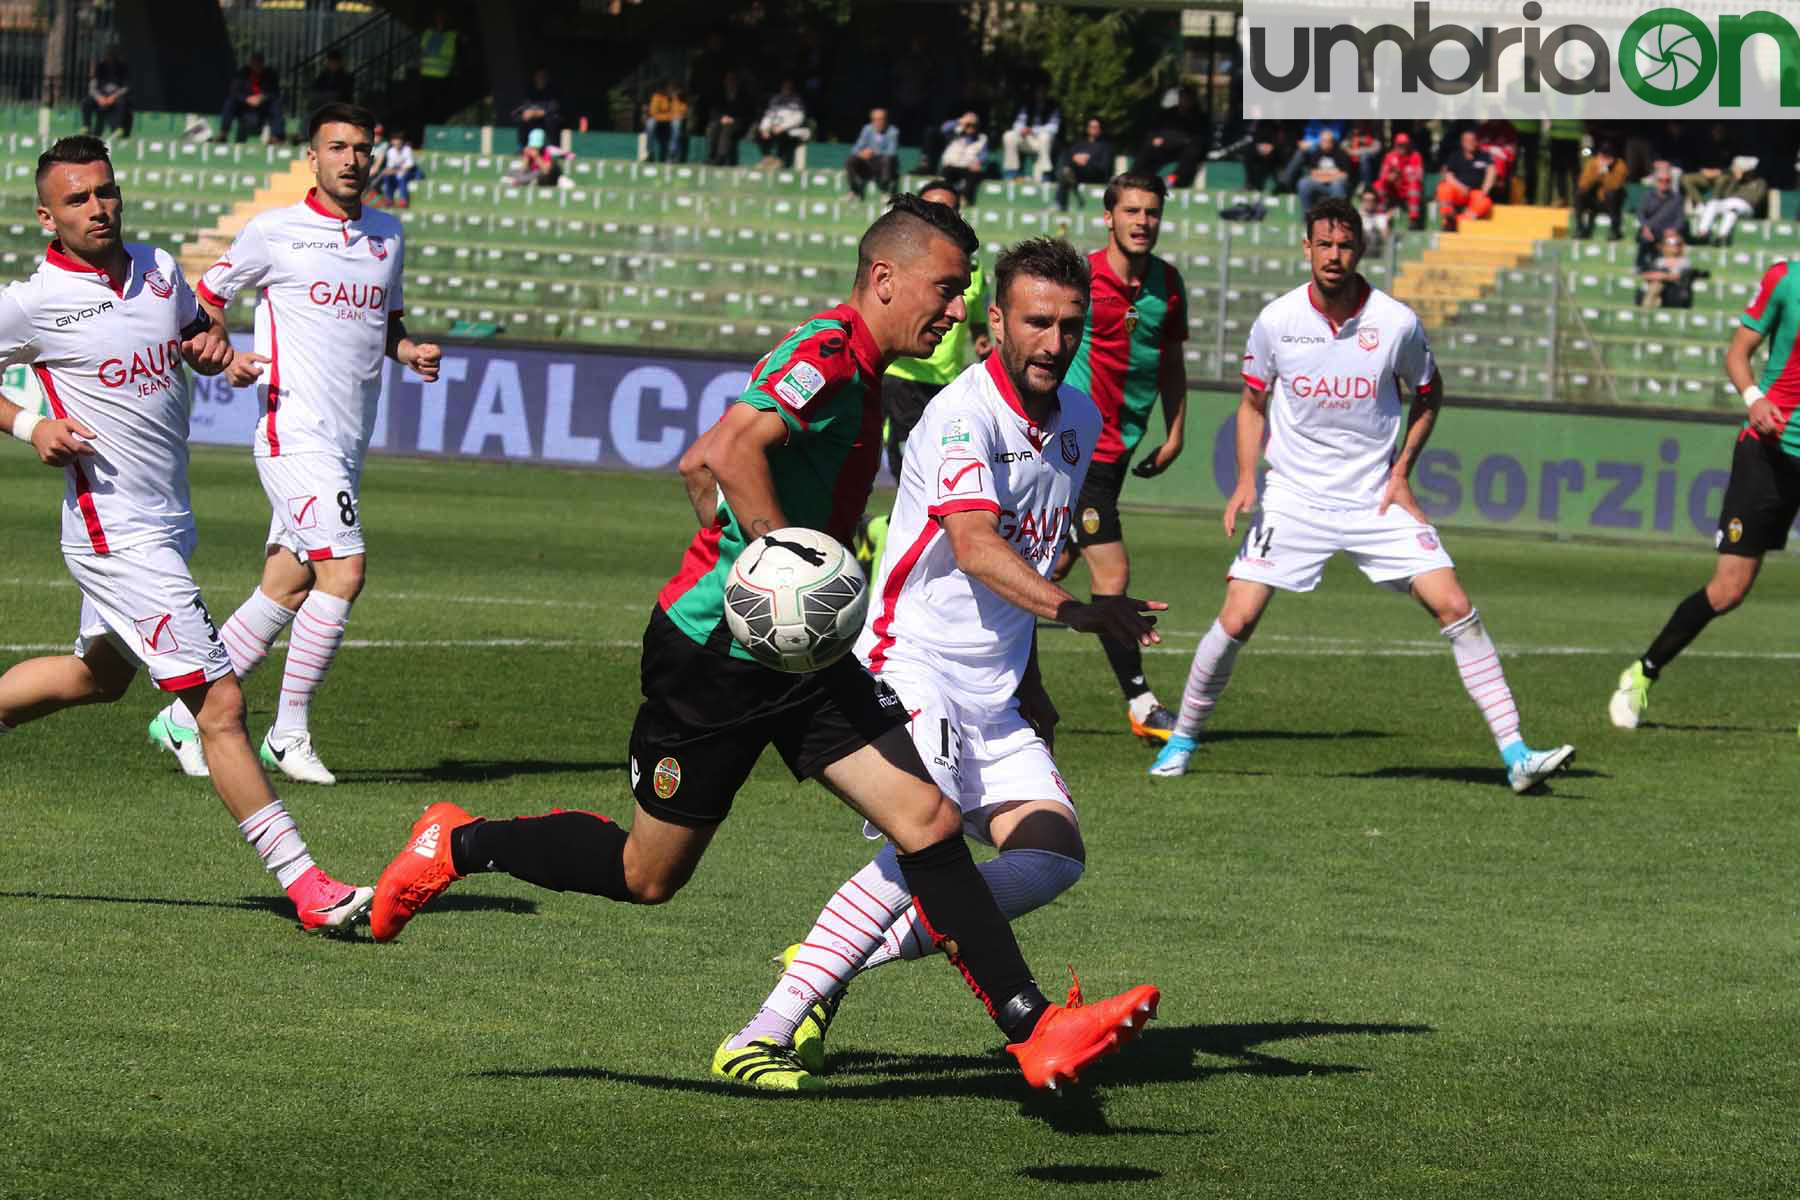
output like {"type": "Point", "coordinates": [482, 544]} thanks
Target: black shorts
{"type": "Point", "coordinates": [706, 718]}
{"type": "Point", "coordinates": [1761, 499]}
{"type": "Point", "coordinates": [1097, 510]}
{"type": "Point", "coordinates": [903, 402]}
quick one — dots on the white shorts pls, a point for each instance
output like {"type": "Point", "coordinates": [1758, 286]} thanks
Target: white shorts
{"type": "Point", "coordinates": [1289, 541]}
{"type": "Point", "coordinates": [317, 512]}
{"type": "Point", "coordinates": [144, 599]}
{"type": "Point", "coordinates": [977, 757]}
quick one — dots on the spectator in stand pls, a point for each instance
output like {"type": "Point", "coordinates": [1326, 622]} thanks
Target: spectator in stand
{"type": "Point", "coordinates": [1565, 159]}
{"type": "Point", "coordinates": [1318, 170]}
{"type": "Point", "coordinates": [1033, 132]}
{"type": "Point", "coordinates": [253, 103]}
{"type": "Point", "coordinates": [665, 123]}
{"type": "Point", "coordinates": [1500, 141]}
{"type": "Point", "coordinates": [1659, 210]}
{"type": "Point", "coordinates": [333, 84]}
{"type": "Point", "coordinates": [541, 109]}
{"type": "Point", "coordinates": [108, 99]}
{"type": "Point", "coordinates": [1180, 137]}
{"type": "Point", "coordinates": [782, 127]}
{"type": "Point", "coordinates": [1309, 141]}
{"type": "Point", "coordinates": [1265, 151]}
{"type": "Point", "coordinates": [540, 163]}
{"type": "Point", "coordinates": [437, 68]}
{"type": "Point", "coordinates": [1088, 161]}
{"type": "Point", "coordinates": [1710, 158]}
{"type": "Point", "coordinates": [727, 120]}
{"type": "Point", "coordinates": [1401, 181]}
{"type": "Point", "coordinates": [875, 156]}
{"type": "Point", "coordinates": [1669, 280]}
{"type": "Point", "coordinates": [1601, 188]}
{"type": "Point", "coordinates": [965, 157]}
{"type": "Point", "coordinates": [1465, 190]}
{"type": "Point", "coordinates": [399, 168]}
{"type": "Point", "coordinates": [1740, 192]}
{"type": "Point", "coordinates": [1363, 144]}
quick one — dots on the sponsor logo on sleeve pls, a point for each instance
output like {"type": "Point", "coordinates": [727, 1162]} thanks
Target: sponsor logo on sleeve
{"type": "Point", "coordinates": [800, 384]}
{"type": "Point", "coordinates": [956, 432]}
{"type": "Point", "coordinates": [960, 477]}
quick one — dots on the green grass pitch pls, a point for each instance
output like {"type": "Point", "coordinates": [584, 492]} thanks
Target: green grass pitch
{"type": "Point", "coordinates": [1384, 975]}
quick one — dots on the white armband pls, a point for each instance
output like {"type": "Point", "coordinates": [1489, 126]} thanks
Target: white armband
{"type": "Point", "coordinates": [1751, 395]}
{"type": "Point", "coordinates": [24, 423]}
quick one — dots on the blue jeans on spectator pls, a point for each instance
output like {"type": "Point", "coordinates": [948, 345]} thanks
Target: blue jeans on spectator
{"type": "Point", "coordinates": [252, 118]}
{"type": "Point", "coordinates": [1311, 191]}
{"type": "Point", "coordinates": [398, 186]}
{"type": "Point", "coordinates": [667, 140]}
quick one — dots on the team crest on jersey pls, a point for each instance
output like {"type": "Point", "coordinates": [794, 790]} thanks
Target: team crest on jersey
{"type": "Point", "coordinates": [378, 247]}
{"type": "Point", "coordinates": [1071, 447]}
{"type": "Point", "coordinates": [1427, 540]}
{"type": "Point", "coordinates": [1735, 530]}
{"type": "Point", "coordinates": [1131, 320]}
{"type": "Point", "coordinates": [1368, 338]}
{"type": "Point", "coordinates": [666, 778]}
{"type": "Point", "coordinates": [153, 279]}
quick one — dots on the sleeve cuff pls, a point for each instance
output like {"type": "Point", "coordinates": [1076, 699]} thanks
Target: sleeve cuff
{"type": "Point", "coordinates": [1254, 382]}
{"type": "Point", "coordinates": [757, 398]}
{"type": "Point", "coordinates": [208, 295]}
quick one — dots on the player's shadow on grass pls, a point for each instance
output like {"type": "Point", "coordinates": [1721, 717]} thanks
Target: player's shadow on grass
{"type": "Point", "coordinates": [476, 770]}
{"type": "Point", "coordinates": [282, 907]}
{"type": "Point", "coordinates": [1485, 776]}
{"type": "Point", "coordinates": [1162, 1054]}
{"type": "Point", "coordinates": [1251, 735]}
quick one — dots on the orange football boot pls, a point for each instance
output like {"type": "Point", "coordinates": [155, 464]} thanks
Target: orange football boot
{"type": "Point", "coordinates": [1069, 1037]}
{"type": "Point", "coordinates": [421, 872]}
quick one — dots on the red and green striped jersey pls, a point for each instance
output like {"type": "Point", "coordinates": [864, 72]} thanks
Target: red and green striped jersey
{"type": "Point", "coordinates": [1129, 330]}
{"type": "Point", "coordinates": [1774, 312]}
{"type": "Point", "coordinates": [824, 381]}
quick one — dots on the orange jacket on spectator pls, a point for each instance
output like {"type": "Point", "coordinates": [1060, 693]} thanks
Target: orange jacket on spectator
{"type": "Point", "coordinates": [1609, 179]}
{"type": "Point", "coordinates": [664, 107]}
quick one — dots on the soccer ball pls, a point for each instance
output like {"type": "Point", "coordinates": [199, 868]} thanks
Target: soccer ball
{"type": "Point", "coordinates": [796, 599]}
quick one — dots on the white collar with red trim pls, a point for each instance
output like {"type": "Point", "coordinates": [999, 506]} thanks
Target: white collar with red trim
{"type": "Point", "coordinates": [1365, 290]}
{"type": "Point", "coordinates": [60, 259]}
{"type": "Point", "coordinates": [312, 202]}
{"type": "Point", "coordinates": [1004, 385]}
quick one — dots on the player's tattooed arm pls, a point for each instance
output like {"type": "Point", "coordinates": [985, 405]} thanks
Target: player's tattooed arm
{"type": "Point", "coordinates": [57, 442]}
{"type": "Point", "coordinates": [1252, 424]}
{"type": "Point", "coordinates": [733, 458]}
{"type": "Point", "coordinates": [983, 554]}
{"type": "Point", "coordinates": [1420, 421]}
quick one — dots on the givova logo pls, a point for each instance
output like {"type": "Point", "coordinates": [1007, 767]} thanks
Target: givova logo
{"type": "Point", "coordinates": [1410, 65]}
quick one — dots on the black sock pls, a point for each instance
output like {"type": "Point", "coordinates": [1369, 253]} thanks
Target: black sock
{"type": "Point", "coordinates": [563, 851]}
{"type": "Point", "coordinates": [1685, 624]}
{"type": "Point", "coordinates": [1126, 660]}
{"type": "Point", "coordinates": [959, 914]}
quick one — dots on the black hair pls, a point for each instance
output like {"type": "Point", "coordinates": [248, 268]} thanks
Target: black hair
{"type": "Point", "coordinates": [936, 185]}
{"type": "Point", "coordinates": [1047, 258]}
{"type": "Point", "coordinates": [77, 149]}
{"type": "Point", "coordinates": [1133, 181]}
{"type": "Point", "coordinates": [1335, 210]}
{"type": "Point", "coordinates": [906, 212]}
{"type": "Point", "coordinates": [340, 113]}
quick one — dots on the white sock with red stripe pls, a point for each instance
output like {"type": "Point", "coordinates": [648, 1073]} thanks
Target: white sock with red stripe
{"type": "Point", "coordinates": [1214, 658]}
{"type": "Point", "coordinates": [277, 841]}
{"type": "Point", "coordinates": [1479, 663]}
{"type": "Point", "coordinates": [849, 929]}
{"type": "Point", "coordinates": [872, 920]}
{"type": "Point", "coordinates": [313, 642]}
{"type": "Point", "coordinates": [252, 629]}
{"type": "Point", "coordinates": [1022, 881]}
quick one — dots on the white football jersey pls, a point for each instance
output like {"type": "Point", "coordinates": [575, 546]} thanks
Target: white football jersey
{"type": "Point", "coordinates": [328, 288]}
{"type": "Point", "coordinates": [107, 353]}
{"type": "Point", "coordinates": [974, 448]}
{"type": "Point", "coordinates": [1334, 409]}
